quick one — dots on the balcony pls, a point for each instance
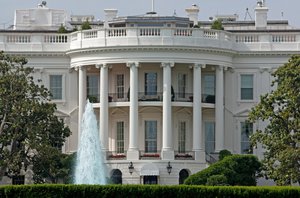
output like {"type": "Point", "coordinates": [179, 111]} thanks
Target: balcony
{"type": "Point", "coordinates": [113, 155]}
{"type": "Point", "coordinates": [151, 36]}
{"type": "Point", "coordinates": [187, 155]}
{"type": "Point", "coordinates": [150, 96]}
{"type": "Point", "coordinates": [149, 155]}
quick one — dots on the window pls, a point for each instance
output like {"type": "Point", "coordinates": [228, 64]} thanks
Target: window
{"type": "Point", "coordinates": [150, 136]}
{"type": "Point", "coordinates": [247, 87]}
{"type": "Point", "coordinates": [151, 83]}
{"type": "Point", "coordinates": [246, 131]}
{"type": "Point", "coordinates": [182, 82]}
{"type": "Point", "coordinates": [56, 87]}
{"type": "Point", "coordinates": [120, 137]}
{"type": "Point", "coordinates": [120, 85]}
{"type": "Point", "coordinates": [209, 137]}
{"type": "Point", "coordinates": [209, 88]}
{"type": "Point", "coordinates": [181, 137]}
{"type": "Point", "coordinates": [93, 88]}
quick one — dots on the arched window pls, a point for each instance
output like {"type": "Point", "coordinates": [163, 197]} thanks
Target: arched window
{"type": "Point", "coordinates": [116, 176]}
{"type": "Point", "coordinates": [183, 174]}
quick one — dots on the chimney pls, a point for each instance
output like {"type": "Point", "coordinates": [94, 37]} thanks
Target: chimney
{"type": "Point", "coordinates": [110, 14]}
{"type": "Point", "coordinates": [193, 13]}
{"type": "Point", "coordinates": [261, 15]}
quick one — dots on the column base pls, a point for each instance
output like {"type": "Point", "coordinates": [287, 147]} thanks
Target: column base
{"type": "Point", "coordinates": [133, 155]}
{"type": "Point", "coordinates": [200, 156]}
{"type": "Point", "coordinates": [167, 155]}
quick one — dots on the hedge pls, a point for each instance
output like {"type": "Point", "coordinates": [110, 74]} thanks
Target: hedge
{"type": "Point", "coordinates": [147, 191]}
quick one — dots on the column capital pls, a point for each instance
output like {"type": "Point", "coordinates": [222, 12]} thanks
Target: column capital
{"type": "Point", "coordinates": [132, 64]}
{"type": "Point", "coordinates": [199, 65]}
{"type": "Point", "coordinates": [220, 67]}
{"type": "Point", "coordinates": [102, 65]}
{"type": "Point", "coordinates": [167, 64]}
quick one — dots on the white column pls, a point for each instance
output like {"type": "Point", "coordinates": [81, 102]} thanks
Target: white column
{"type": "Point", "coordinates": [81, 97]}
{"type": "Point", "coordinates": [167, 147]}
{"type": "Point", "coordinates": [219, 115]}
{"type": "Point", "coordinates": [133, 151]}
{"type": "Point", "coordinates": [197, 115]}
{"type": "Point", "coordinates": [104, 106]}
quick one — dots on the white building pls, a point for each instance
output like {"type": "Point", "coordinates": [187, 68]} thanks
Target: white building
{"type": "Point", "coordinates": [168, 96]}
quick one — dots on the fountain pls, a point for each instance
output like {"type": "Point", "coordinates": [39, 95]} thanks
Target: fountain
{"type": "Point", "coordinates": [90, 168]}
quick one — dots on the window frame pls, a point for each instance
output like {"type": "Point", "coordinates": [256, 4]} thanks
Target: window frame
{"type": "Point", "coordinates": [121, 140]}
{"type": "Point", "coordinates": [63, 86]}
{"type": "Point", "coordinates": [88, 88]}
{"type": "Point", "coordinates": [254, 85]}
{"type": "Point", "coordinates": [241, 142]}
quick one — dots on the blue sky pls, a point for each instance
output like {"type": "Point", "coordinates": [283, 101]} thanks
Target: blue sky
{"type": "Point", "coordinates": [289, 8]}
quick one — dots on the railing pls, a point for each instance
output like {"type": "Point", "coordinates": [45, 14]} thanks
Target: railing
{"type": "Point", "coordinates": [187, 155]}
{"type": "Point", "coordinates": [182, 97]}
{"type": "Point", "coordinates": [57, 38]}
{"type": "Point", "coordinates": [149, 155]}
{"type": "Point", "coordinates": [118, 97]}
{"type": "Point", "coordinates": [210, 34]}
{"type": "Point", "coordinates": [113, 155]}
{"type": "Point", "coordinates": [247, 38]}
{"type": "Point", "coordinates": [183, 32]}
{"type": "Point", "coordinates": [90, 34]}
{"type": "Point", "coordinates": [150, 96]}
{"type": "Point", "coordinates": [150, 32]}
{"type": "Point", "coordinates": [134, 36]}
{"type": "Point", "coordinates": [18, 38]}
{"type": "Point", "coordinates": [283, 38]}
{"type": "Point", "coordinates": [119, 32]}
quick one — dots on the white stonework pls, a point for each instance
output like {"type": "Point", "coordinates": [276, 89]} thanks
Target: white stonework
{"type": "Point", "coordinates": [164, 92]}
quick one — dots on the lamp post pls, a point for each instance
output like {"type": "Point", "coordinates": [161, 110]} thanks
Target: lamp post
{"type": "Point", "coordinates": [130, 168]}
{"type": "Point", "coordinates": [169, 168]}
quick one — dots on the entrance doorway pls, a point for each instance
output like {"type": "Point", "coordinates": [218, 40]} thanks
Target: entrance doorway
{"type": "Point", "coordinates": [150, 180]}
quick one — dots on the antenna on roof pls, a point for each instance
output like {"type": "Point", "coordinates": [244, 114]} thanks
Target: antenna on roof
{"type": "Point", "coordinates": [152, 5]}
{"type": "Point", "coordinates": [152, 11]}
{"type": "Point", "coordinates": [247, 14]}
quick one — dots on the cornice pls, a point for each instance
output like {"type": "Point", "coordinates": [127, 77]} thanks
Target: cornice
{"type": "Point", "coordinates": [37, 54]}
{"type": "Point", "coordinates": [152, 48]}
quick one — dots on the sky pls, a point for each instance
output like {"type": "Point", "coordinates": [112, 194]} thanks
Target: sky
{"type": "Point", "coordinates": [278, 9]}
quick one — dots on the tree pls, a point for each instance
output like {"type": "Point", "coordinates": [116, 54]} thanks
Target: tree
{"type": "Point", "coordinates": [280, 110]}
{"type": "Point", "coordinates": [232, 170]}
{"type": "Point", "coordinates": [217, 25]}
{"type": "Point", "coordinates": [86, 25]}
{"type": "Point", "coordinates": [51, 166]}
{"type": "Point", "coordinates": [28, 122]}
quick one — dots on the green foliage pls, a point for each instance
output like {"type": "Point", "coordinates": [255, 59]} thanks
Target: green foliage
{"type": "Point", "coordinates": [280, 110]}
{"type": "Point", "coordinates": [224, 153]}
{"type": "Point", "coordinates": [62, 29]}
{"type": "Point", "coordinates": [51, 166]}
{"type": "Point", "coordinates": [146, 191]}
{"type": "Point", "coordinates": [27, 120]}
{"type": "Point", "coordinates": [217, 180]}
{"type": "Point", "coordinates": [238, 170]}
{"type": "Point", "coordinates": [86, 25]}
{"type": "Point", "coordinates": [217, 25]}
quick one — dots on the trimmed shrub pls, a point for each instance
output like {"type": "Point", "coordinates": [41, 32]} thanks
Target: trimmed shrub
{"type": "Point", "coordinates": [145, 191]}
{"type": "Point", "coordinates": [86, 25]}
{"type": "Point", "coordinates": [217, 25]}
{"type": "Point", "coordinates": [217, 180]}
{"type": "Point", "coordinates": [224, 153]}
{"type": "Point", "coordinates": [238, 169]}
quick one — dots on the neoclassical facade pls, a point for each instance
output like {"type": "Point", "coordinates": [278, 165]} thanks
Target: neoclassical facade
{"type": "Point", "coordinates": [167, 94]}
